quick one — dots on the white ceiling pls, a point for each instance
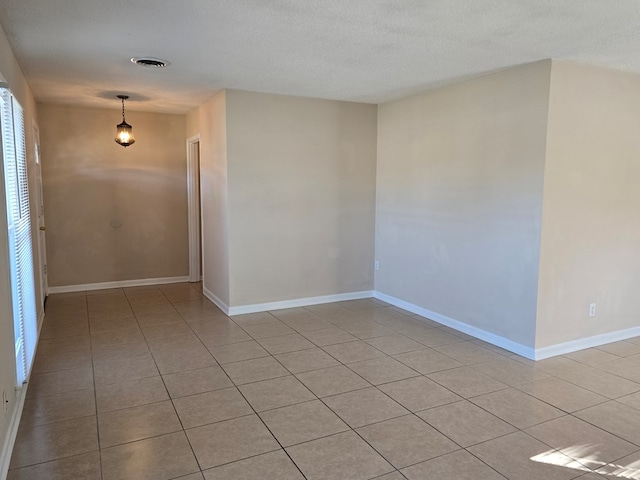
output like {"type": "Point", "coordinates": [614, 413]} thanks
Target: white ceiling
{"type": "Point", "coordinates": [78, 51]}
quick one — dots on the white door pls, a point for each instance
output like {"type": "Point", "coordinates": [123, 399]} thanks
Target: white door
{"type": "Point", "coordinates": [42, 239]}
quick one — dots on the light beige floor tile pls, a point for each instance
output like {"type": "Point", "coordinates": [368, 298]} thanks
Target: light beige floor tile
{"type": "Point", "coordinates": [509, 371]}
{"type": "Point", "coordinates": [591, 356]}
{"type": "Point", "coordinates": [125, 370]}
{"type": "Point", "coordinates": [406, 440]}
{"type": "Point", "coordinates": [130, 394]}
{"type": "Point", "coordinates": [364, 407]}
{"type": "Point", "coordinates": [632, 400]}
{"type": "Point", "coordinates": [621, 349]}
{"type": "Point", "coordinates": [169, 330]}
{"type": "Point", "coordinates": [54, 441]}
{"type": "Point", "coordinates": [211, 407]}
{"type": "Point", "coordinates": [555, 365]}
{"type": "Point", "coordinates": [332, 381]}
{"type": "Point", "coordinates": [339, 457]}
{"type": "Point", "coordinates": [419, 393]}
{"type": "Point", "coordinates": [277, 392]}
{"type": "Point", "coordinates": [61, 361]}
{"type": "Point", "coordinates": [238, 352]}
{"type": "Point", "coordinates": [292, 313]}
{"type": "Point", "coordinates": [231, 440]}
{"type": "Point", "coordinates": [516, 457]}
{"type": "Point", "coordinates": [465, 423]}
{"type": "Point", "coordinates": [353, 352]}
{"type": "Point", "coordinates": [121, 336]}
{"type": "Point", "coordinates": [367, 329]}
{"type": "Point", "coordinates": [274, 465]}
{"type": "Point", "coordinates": [435, 337]}
{"type": "Point", "coordinates": [66, 344]}
{"type": "Point", "coordinates": [196, 381]}
{"type": "Point", "coordinates": [63, 381]}
{"type": "Point", "coordinates": [68, 329]}
{"type": "Point", "coordinates": [382, 370]}
{"type": "Point", "coordinates": [249, 371]}
{"type": "Point", "coordinates": [137, 423]}
{"type": "Point", "coordinates": [326, 309]}
{"type": "Point", "coordinates": [85, 467]}
{"type": "Point", "coordinates": [427, 361]}
{"type": "Point", "coordinates": [561, 394]}
{"type": "Point", "coordinates": [517, 408]}
{"type": "Point", "coordinates": [615, 418]}
{"type": "Point", "coordinates": [193, 476]}
{"type": "Point", "coordinates": [286, 343]}
{"type": "Point", "coordinates": [306, 360]}
{"type": "Point", "coordinates": [626, 467]}
{"type": "Point", "coordinates": [159, 458]}
{"type": "Point", "coordinates": [466, 381]}
{"type": "Point", "coordinates": [622, 367]}
{"type": "Point", "coordinates": [459, 465]}
{"type": "Point", "coordinates": [107, 353]}
{"type": "Point", "coordinates": [216, 336]}
{"type": "Point", "coordinates": [467, 353]}
{"type": "Point", "coordinates": [302, 422]}
{"type": "Point", "coordinates": [40, 410]}
{"type": "Point", "coordinates": [329, 336]}
{"type": "Point", "coordinates": [101, 325]}
{"type": "Point", "coordinates": [182, 342]}
{"type": "Point", "coordinates": [390, 476]}
{"type": "Point", "coordinates": [254, 319]}
{"type": "Point", "coordinates": [394, 344]}
{"type": "Point", "coordinates": [159, 319]}
{"type": "Point", "coordinates": [580, 440]}
{"type": "Point", "coordinates": [266, 330]}
{"type": "Point", "coordinates": [598, 381]}
{"type": "Point", "coordinates": [306, 323]}
{"type": "Point", "coordinates": [182, 359]}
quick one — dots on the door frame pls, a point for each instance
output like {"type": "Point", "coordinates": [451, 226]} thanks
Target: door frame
{"type": "Point", "coordinates": [194, 210]}
{"type": "Point", "coordinates": [40, 218]}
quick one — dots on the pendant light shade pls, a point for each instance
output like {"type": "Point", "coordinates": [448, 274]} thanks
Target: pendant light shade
{"type": "Point", "coordinates": [124, 131]}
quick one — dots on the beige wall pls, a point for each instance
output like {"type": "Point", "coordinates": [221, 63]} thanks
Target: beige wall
{"type": "Point", "coordinates": [459, 199]}
{"type": "Point", "coordinates": [112, 213]}
{"type": "Point", "coordinates": [10, 73]}
{"type": "Point", "coordinates": [210, 122]}
{"type": "Point", "coordinates": [590, 248]}
{"type": "Point", "coordinates": [301, 197]}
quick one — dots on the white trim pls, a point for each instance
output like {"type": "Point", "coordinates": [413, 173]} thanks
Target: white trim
{"type": "Point", "coordinates": [193, 207]}
{"type": "Point", "coordinates": [118, 284]}
{"type": "Point", "coordinates": [588, 342]}
{"type": "Point", "coordinates": [219, 303]}
{"type": "Point", "coordinates": [299, 302]}
{"type": "Point", "coordinates": [502, 342]}
{"type": "Point", "coordinates": [12, 432]}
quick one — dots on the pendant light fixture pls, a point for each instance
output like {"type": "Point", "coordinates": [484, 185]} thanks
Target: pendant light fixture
{"type": "Point", "coordinates": [124, 132]}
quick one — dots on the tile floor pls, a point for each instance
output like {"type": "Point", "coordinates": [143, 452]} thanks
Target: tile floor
{"type": "Point", "coordinates": [156, 383]}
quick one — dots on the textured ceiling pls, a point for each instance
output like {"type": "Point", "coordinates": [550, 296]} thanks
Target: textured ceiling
{"type": "Point", "coordinates": [78, 51]}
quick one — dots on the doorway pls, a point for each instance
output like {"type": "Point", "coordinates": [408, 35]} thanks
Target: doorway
{"type": "Point", "coordinates": [194, 208]}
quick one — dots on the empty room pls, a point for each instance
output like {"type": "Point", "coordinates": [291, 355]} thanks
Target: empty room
{"type": "Point", "coordinates": [299, 240]}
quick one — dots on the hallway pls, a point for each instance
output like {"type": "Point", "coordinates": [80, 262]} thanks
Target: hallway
{"type": "Point", "coordinates": [156, 383]}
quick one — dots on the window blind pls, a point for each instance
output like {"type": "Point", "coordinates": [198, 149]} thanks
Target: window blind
{"type": "Point", "coordinates": [19, 233]}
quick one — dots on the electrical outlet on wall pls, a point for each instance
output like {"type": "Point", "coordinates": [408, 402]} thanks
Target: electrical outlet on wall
{"type": "Point", "coordinates": [376, 265]}
{"type": "Point", "coordinates": [592, 309]}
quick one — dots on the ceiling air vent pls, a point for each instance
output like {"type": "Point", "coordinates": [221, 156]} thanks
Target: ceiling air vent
{"type": "Point", "coordinates": [150, 62]}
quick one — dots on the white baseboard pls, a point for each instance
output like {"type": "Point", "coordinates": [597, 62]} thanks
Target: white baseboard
{"type": "Point", "coordinates": [219, 303]}
{"type": "Point", "coordinates": [298, 302]}
{"type": "Point", "coordinates": [12, 432]}
{"type": "Point", "coordinates": [499, 341]}
{"type": "Point", "coordinates": [118, 284]}
{"type": "Point", "coordinates": [588, 342]}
